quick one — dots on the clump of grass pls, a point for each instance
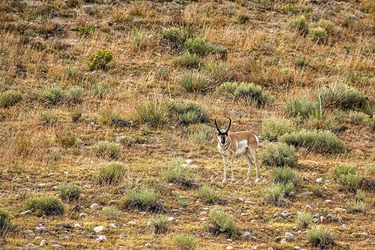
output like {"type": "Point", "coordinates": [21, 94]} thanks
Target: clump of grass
{"type": "Point", "coordinates": [110, 173]}
{"type": "Point", "coordinates": [355, 206]}
{"type": "Point", "coordinates": [347, 177]}
{"type": "Point", "coordinates": [45, 205]}
{"type": "Point", "coordinates": [201, 47]}
{"type": "Point", "coordinates": [5, 222]}
{"type": "Point", "coordinates": [272, 128]}
{"type": "Point", "coordinates": [75, 95]}
{"type": "Point", "coordinates": [100, 60]}
{"type": "Point", "coordinates": [189, 60]}
{"type": "Point", "coordinates": [300, 24]}
{"type": "Point", "coordinates": [360, 195]}
{"type": "Point", "coordinates": [111, 213]}
{"type": "Point", "coordinates": [285, 175]}
{"type": "Point", "coordinates": [70, 191]}
{"type": "Point", "coordinates": [176, 36]}
{"type": "Point", "coordinates": [223, 223]}
{"type": "Point", "coordinates": [278, 192]}
{"type": "Point", "coordinates": [86, 30]}
{"type": "Point", "coordinates": [340, 96]}
{"type": "Point", "coordinates": [320, 237]}
{"type": "Point", "coordinates": [49, 118]}
{"type": "Point", "coordinates": [327, 25]}
{"type": "Point", "coordinates": [202, 134]}
{"type": "Point", "coordinates": [207, 194]}
{"type": "Point", "coordinates": [68, 139]}
{"type": "Point", "coordinates": [76, 116]}
{"type": "Point", "coordinates": [317, 191]}
{"type": "Point", "coordinates": [278, 155]}
{"type": "Point", "coordinates": [107, 149]}
{"type": "Point", "coordinates": [175, 173]}
{"type": "Point", "coordinates": [160, 224]}
{"type": "Point", "coordinates": [143, 199]}
{"type": "Point", "coordinates": [304, 220]}
{"type": "Point", "coordinates": [10, 98]}
{"type": "Point", "coordinates": [184, 241]}
{"type": "Point", "coordinates": [187, 112]}
{"type": "Point", "coordinates": [194, 83]}
{"type": "Point", "coordinates": [249, 92]}
{"type": "Point", "coordinates": [288, 8]}
{"type": "Point", "coordinates": [53, 95]}
{"type": "Point", "coordinates": [300, 107]}
{"type": "Point", "coordinates": [318, 35]}
{"type": "Point", "coordinates": [323, 141]}
{"type": "Point", "coordinates": [154, 112]}
{"type": "Point", "coordinates": [100, 90]}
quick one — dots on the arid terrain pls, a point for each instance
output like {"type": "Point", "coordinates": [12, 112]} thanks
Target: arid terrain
{"type": "Point", "coordinates": [107, 128]}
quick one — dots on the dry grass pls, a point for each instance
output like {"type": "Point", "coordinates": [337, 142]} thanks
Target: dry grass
{"type": "Point", "coordinates": [43, 46]}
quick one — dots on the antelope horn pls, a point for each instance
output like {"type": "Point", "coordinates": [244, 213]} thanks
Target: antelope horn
{"type": "Point", "coordinates": [217, 127]}
{"type": "Point", "coordinates": [230, 122]}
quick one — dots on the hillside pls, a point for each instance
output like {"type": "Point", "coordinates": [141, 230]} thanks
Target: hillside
{"type": "Point", "coordinates": [107, 132]}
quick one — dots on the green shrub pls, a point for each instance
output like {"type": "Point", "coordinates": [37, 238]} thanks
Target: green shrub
{"type": "Point", "coordinates": [107, 149]}
{"type": "Point", "coordinates": [352, 182]}
{"type": "Point", "coordinates": [317, 191]}
{"type": "Point", "coordinates": [75, 95]}
{"type": "Point", "coordinates": [100, 60]}
{"type": "Point", "coordinates": [223, 223]}
{"type": "Point", "coordinates": [272, 128]}
{"type": "Point", "coordinates": [188, 112]}
{"type": "Point", "coordinates": [318, 35]}
{"type": "Point", "coordinates": [189, 60]}
{"type": "Point", "coordinates": [154, 113]}
{"type": "Point", "coordinates": [360, 195]}
{"type": "Point", "coordinates": [300, 107]}
{"type": "Point", "coordinates": [300, 24]}
{"type": "Point", "coordinates": [202, 134]}
{"type": "Point", "coordinates": [100, 90]}
{"type": "Point", "coordinates": [194, 83]}
{"type": "Point", "coordinates": [53, 95]}
{"type": "Point", "coordinates": [68, 139]}
{"type": "Point", "coordinates": [285, 175]}
{"type": "Point", "coordinates": [278, 192]}
{"type": "Point", "coordinates": [278, 155]}
{"type": "Point", "coordinates": [5, 223]}
{"type": "Point", "coordinates": [327, 25]}
{"type": "Point", "coordinates": [320, 237]}
{"type": "Point", "coordinates": [249, 92]}
{"type": "Point", "coordinates": [110, 173]}
{"type": "Point", "coordinates": [341, 96]}
{"type": "Point", "coordinates": [355, 206]}
{"type": "Point", "coordinates": [143, 199]}
{"type": "Point", "coordinates": [112, 213]}
{"type": "Point", "coordinates": [86, 30]}
{"type": "Point", "coordinates": [304, 220]}
{"type": "Point", "coordinates": [48, 118]}
{"type": "Point", "coordinates": [184, 241]}
{"type": "Point", "coordinates": [201, 47]}
{"type": "Point", "coordinates": [288, 8]}
{"type": "Point", "coordinates": [324, 141]}
{"type": "Point", "coordinates": [207, 194]}
{"type": "Point", "coordinates": [176, 36]}
{"type": "Point", "coordinates": [343, 170]}
{"type": "Point", "coordinates": [76, 116]}
{"type": "Point", "coordinates": [160, 224]}
{"type": "Point", "coordinates": [138, 38]}
{"type": "Point", "coordinates": [10, 98]}
{"type": "Point", "coordinates": [176, 174]}
{"type": "Point", "coordinates": [45, 205]}
{"type": "Point", "coordinates": [70, 191]}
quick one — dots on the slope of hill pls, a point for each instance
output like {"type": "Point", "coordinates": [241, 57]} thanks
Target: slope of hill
{"type": "Point", "coordinates": [108, 106]}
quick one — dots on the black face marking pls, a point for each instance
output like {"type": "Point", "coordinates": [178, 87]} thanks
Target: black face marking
{"type": "Point", "coordinates": [223, 138]}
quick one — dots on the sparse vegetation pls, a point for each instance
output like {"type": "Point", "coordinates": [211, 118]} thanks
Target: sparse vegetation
{"type": "Point", "coordinates": [112, 213]}
{"type": "Point", "coordinates": [277, 194]}
{"type": "Point", "coordinates": [107, 149]}
{"type": "Point", "coordinates": [143, 199]}
{"type": "Point", "coordinates": [207, 194]}
{"type": "Point", "coordinates": [223, 223]}
{"type": "Point", "coordinates": [184, 241]}
{"type": "Point", "coordinates": [278, 155]}
{"type": "Point", "coordinates": [160, 224]}
{"type": "Point", "coordinates": [45, 205]}
{"type": "Point", "coordinates": [100, 60]}
{"type": "Point", "coordinates": [154, 112]}
{"type": "Point", "coordinates": [272, 128]}
{"type": "Point", "coordinates": [189, 113]}
{"type": "Point", "coordinates": [110, 173]}
{"type": "Point", "coordinates": [5, 222]}
{"type": "Point", "coordinates": [70, 191]}
{"type": "Point", "coordinates": [300, 107]}
{"type": "Point", "coordinates": [304, 220]}
{"type": "Point", "coordinates": [10, 98]}
{"type": "Point", "coordinates": [320, 237]}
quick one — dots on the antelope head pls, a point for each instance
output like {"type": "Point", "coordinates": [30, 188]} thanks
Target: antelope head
{"type": "Point", "coordinates": [222, 136]}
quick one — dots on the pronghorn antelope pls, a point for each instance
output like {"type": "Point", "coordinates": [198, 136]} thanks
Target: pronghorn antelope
{"type": "Point", "coordinates": [238, 143]}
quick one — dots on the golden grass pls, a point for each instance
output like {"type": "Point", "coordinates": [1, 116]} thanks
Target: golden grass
{"type": "Point", "coordinates": [41, 47]}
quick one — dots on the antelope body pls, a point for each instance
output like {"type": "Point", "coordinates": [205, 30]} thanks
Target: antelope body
{"type": "Point", "coordinates": [238, 143]}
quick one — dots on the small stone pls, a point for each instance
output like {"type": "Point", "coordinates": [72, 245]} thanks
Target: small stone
{"type": "Point", "coordinates": [40, 229]}
{"type": "Point", "coordinates": [95, 206]}
{"type": "Point", "coordinates": [19, 180]}
{"type": "Point", "coordinates": [25, 212]}
{"type": "Point", "coordinates": [148, 245]}
{"type": "Point", "coordinates": [77, 225]}
{"type": "Point", "coordinates": [82, 215]}
{"type": "Point", "coordinates": [328, 201]}
{"type": "Point", "coordinates": [189, 161]}
{"type": "Point", "coordinates": [30, 246]}
{"type": "Point", "coordinates": [43, 243]}
{"type": "Point", "coordinates": [113, 225]}
{"type": "Point", "coordinates": [101, 238]}
{"type": "Point", "coordinates": [289, 236]}
{"type": "Point", "coordinates": [66, 172]}
{"type": "Point", "coordinates": [306, 193]}
{"type": "Point", "coordinates": [98, 229]}
{"type": "Point", "coordinates": [131, 223]}
{"type": "Point", "coordinates": [170, 219]}
{"type": "Point", "coordinates": [229, 247]}
{"type": "Point", "coordinates": [319, 180]}
{"type": "Point", "coordinates": [57, 246]}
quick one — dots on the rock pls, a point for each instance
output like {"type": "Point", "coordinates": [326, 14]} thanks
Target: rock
{"type": "Point", "coordinates": [43, 243]}
{"type": "Point", "coordinates": [319, 180]}
{"type": "Point", "coordinates": [101, 238]}
{"type": "Point", "coordinates": [77, 225]}
{"type": "Point", "coordinates": [328, 201]}
{"type": "Point", "coordinates": [29, 232]}
{"type": "Point", "coordinates": [148, 245]}
{"type": "Point", "coordinates": [19, 180]}
{"type": "Point", "coordinates": [30, 246]}
{"type": "Point", "coordinates": [229, 247]}
{"type": "Point", "coordinates": [170, 219]}
{"type": "Point", "coordinates": [189, 161]}
{"type": "Point", "coordinates": [66, 172]}
{"type": "Point", "coordinates": [26, 212]}
{"type": "Point", "coordinates": [95, 206]}
{"type": "Point", "coordinates": [131, 223]}
{"type": "Point", "coordinates": [98, 229]}
{"type": "Point", "coordinates": [40, 228]}
{"type": "Point", "coordinates": [289, 236]}
{"type": "Point", "coordinates": [82, 215]}
{"type": "Point", "coordinates": [306, 193]}
{"type": "Point", "coordinates": [57, 246]}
